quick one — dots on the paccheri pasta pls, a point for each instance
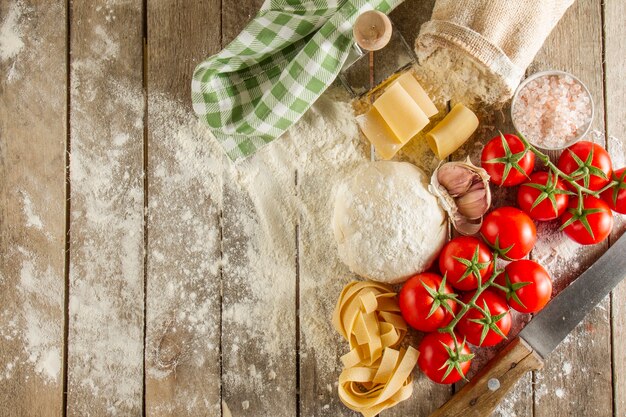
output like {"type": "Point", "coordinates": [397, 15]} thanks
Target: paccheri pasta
{"type": "Point", "coordinates": [377, 372]}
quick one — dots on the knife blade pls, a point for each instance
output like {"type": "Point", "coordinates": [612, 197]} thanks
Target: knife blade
{"type": "Point", "coordinates": [552, 324]}
{"type": "Point", "coordinates": [542, 335]}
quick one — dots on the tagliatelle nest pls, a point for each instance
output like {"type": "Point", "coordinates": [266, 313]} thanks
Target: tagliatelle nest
{"type": "Point", "coordinates": [376, 375]}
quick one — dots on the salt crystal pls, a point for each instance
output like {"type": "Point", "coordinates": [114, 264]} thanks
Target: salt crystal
{"type": "Point", "coordinates": [552, 111]}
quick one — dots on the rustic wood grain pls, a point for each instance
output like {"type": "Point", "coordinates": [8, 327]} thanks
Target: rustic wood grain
{"type": "Point", "coordinates": [615, 90]}
{"type": "Point", "coordinates": [32, 208]}
{"type": "Point", "coordinates": [184, 192]}
{"type": "Point", "coordinates": [259, 288]}
{"type": "Point", "coordinates": [105, 351]}
{"type": "Point", "coordinates": [184, 278]}
{"type": "Point", "coordinates": [321, 274]}
{"type": "Point", "coordinates": [584, 389]}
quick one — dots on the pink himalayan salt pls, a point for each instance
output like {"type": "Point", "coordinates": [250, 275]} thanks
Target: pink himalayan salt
{"type": "Point", "coordinates": [552, 111]}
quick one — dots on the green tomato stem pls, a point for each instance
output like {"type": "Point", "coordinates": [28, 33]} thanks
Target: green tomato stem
{"type": "Point", "coordinates": [500, 287]}
{"type": "Point", "coordinates": [472, 302]}
{"type": "Point", "coordinates": [610, 185]}
{"type": "Point", "coordinates": [556, 171]}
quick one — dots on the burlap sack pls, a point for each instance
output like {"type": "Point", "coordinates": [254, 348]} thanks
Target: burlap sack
{"type": "Point", "coordinates": [502, 35]}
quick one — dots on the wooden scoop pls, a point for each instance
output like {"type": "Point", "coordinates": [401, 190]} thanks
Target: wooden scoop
{"type": "Point", "coordinates": [372, 30]}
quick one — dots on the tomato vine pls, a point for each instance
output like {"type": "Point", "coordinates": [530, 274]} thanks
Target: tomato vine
{"type": "Point", "coordinates": [547, 191]}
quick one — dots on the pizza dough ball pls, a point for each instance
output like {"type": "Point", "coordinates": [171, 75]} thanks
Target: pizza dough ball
{"type": "Point", "coordinates": [387, 225]}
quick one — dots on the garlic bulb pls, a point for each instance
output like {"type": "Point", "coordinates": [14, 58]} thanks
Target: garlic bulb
{"type": "Point", "coordinates": [463, 191]}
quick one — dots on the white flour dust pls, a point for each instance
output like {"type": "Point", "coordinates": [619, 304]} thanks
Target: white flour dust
{"type": "Point", "coordinates": [288, 185]}
{"type": "Point", "coordinates": [105, 357]}
{"type": "Point", "coordinates": [35, 323]}
{"type": "Point", "coordinates": [11, 42]}
{"type": "Point", "coordinates": [41, 292]}
{"type": "Point", "coordinates": [554, 250]}
{"type": "Point", "coordinates": [260, 210]}
{"type": "Point", "coordinates": [453, 76]}
{"type": "Point", "coordinates": [506, 408]}
{"type": "Point", "coordinates": [183, 287]}
{"type": "Point", "coordinates": [31, 324]}
{"type": "Point", "coordinates": [32, 218]}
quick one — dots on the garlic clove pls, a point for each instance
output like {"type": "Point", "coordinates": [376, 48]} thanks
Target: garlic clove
{"type": "Point", "coordinates": [468, 197]}
{"type": "Point", "coordinates": [473, 204]}
{"type": "Point", "coordinates": [466, 226]}
{"type": "Point", "coordinates": [457, 179]}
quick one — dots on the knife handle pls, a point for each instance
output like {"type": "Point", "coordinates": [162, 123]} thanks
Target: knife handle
{"type": "Point", "coordinates": [480, 396]}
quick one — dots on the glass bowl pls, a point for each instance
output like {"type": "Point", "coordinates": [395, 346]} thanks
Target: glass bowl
{"type": "Point", "coordinates": [582, 131]}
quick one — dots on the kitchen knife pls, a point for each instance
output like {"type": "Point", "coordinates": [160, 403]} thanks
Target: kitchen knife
{"type": "Point", "coordinates": [480, 396]}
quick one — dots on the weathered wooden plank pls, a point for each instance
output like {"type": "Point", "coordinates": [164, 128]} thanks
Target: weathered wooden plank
{"type": "Point", "coordinates": [615, 89]}
{"type": "Point", "coordinates": [576, 379]}
{"type": "Point", "coordinates": [184, 190]}
{"type": "Point", "coordinates": [259, 279]}
{"type": "Point", "coordinates": [105, 345]}
{"type": "Point", "coordinates": [32, 206]}
{"type": "Point", "coordinates": [334, 149]}
{"type": "Point", "coordinates": [259, 287]}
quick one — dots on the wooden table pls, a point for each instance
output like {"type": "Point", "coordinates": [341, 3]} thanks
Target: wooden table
{"type": "Point", "coordinates": [97, 259]}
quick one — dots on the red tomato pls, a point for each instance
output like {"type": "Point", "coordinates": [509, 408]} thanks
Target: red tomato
{"type": "Point", "coordinates": [509, 231]}
{"type": "Point", "coordinates": [589, 224]}
{"type": "Point", "coordinates": [492, 329]}
{"type": "Point", "coordinates": [463, 260]}
{"type": "Point", "coordinates": [528, 285]}
{"type": "Point", "coordinates": [588, 163]}
{"type": "Point", "coordinates": [507, 161]}
{"type": "Point", "coordinates": [547, 194]}
{"type": "Point", "coordinates": [438, 357]}
{"type": "Point", "coordinates": [424, 309]}
{"type": "Point", "coordinates": [615, 196]}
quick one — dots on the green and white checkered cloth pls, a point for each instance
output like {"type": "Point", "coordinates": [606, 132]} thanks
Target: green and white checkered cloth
{"type": "Point", "coordinates": [267, 78]}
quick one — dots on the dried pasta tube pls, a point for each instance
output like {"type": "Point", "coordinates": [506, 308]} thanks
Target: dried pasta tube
{"type": "Point", "coordinates": [453, 131]}
{"type": "Point", "coordinates": [402, 114]}
{"type": "Point", "coordinates": [379, 134]}
{"type": "Point", "coordinates": [415, 90]}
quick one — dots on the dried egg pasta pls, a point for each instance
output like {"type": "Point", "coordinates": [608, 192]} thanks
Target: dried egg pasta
{"type": "Point", "coordinates": [376, 375]}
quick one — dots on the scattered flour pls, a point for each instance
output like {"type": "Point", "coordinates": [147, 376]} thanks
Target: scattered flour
{"type": "Point", "coordinates": [286, 186]}
{"type": "Point", "coordinates": [183, 262]}
{"type": "Point", "coordinates": [105, 357]}
{"type": "Point", "coordinates": [31, 277]}
{"type": "Point", "coordinates": [567, 368]}
{"type": "Point", "coordinates": [617, 151]}
{"type": "Point", "coordinates": [11, 42]}
{"type": "Point", "coordinates": [555, 251]}
{"type": "Point", "coordinates": [32, 219]}
{"type": "Point", "coordinates": [284, 191]}
{"type": "Point", "coordinates": [42, 335]}
{"type": "Point", "coordinates": [453, 76]}
{"type": "Point", "coordinates": [506, 408]}
{"type": "Point", "coordinates": [35, 323]}
{"type": "Point", "coordinates": [42, 301]}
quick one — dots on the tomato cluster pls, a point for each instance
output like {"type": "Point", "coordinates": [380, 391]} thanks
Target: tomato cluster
{"type": "Point", "coordinates": [580, 190]}
{"type": "Point", "coordinates": [469, 302]}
